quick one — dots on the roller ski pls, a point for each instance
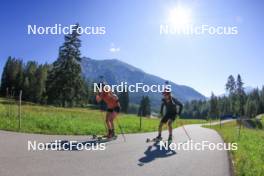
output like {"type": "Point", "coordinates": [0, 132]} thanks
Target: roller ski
{"type": "Point", "coordinates": [106, 138]}
{"type": "Point", "coordinates": [156, 139]}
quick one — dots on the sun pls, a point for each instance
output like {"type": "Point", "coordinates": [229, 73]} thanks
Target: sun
{"type": "Point", "coordinates": [179, 17]}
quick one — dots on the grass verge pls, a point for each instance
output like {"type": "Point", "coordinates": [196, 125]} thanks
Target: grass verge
{"type": "Point", "coordinates": [249, 158]}
{"type": "Point", "coordinates": [70, 121]}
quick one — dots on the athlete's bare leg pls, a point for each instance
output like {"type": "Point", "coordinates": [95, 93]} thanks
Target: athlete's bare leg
{"type": "Point", "coordinates": [170, 126]}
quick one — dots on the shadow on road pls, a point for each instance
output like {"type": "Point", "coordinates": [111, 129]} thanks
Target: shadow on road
{"type": "Point", "coordinates": [153, 152]}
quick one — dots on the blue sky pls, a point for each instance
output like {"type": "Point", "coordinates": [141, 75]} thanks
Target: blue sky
{"type": "Point", "coordinates": [132, 27]}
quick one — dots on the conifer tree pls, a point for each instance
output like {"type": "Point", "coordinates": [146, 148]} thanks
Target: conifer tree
{"type": "Point", "coordinates": [65, 85]}
{"type": "Point", "coordinates": [214, 111]}
{"type": "Point", "coordinates": [240, 96]}
{"type": "Point", "coordinates": [124, 101]}
{"type": "Point", "coordinates": [145, 107]}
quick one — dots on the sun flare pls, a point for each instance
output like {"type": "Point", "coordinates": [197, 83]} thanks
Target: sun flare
{"type": "Point", "coordinates": [179, 17]}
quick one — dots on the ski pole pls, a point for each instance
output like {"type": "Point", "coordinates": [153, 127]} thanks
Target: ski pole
{"type": "Point", "coordinates": [186, 132]}
{"type": "Point", "coordinates": [101, 80]}
{"type": "Point", "coordinates": [121, 129]}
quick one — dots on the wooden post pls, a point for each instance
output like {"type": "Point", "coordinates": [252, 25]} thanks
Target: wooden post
{"type": "Point", "coordinates": [240, 124]}
{"type": "Point", "coordinates": [220, 122]}
{"type": "Point", "coordinates": [8, 102]}
{"type": "Point", "coordinates": [19, 108]}
{"type": "Point", "coordinates": [140, 120]}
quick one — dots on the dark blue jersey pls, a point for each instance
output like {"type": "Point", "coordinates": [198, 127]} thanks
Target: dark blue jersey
{"type": "Point", "coordinates": [171, 106]}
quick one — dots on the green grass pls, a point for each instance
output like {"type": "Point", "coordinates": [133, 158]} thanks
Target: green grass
{"type": "Point", "coordinates": [74, 121]}
{"type": "Point", "coordinates": [249, 158]}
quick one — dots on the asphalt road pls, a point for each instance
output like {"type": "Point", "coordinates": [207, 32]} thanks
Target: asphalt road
{"type": "Point", "coordinates": [134, 157]}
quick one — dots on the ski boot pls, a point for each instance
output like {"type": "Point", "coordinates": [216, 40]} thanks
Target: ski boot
{"type": "Point", "coordinates": [158, 138]}
{"type": "Point", "coordinates": [169, 139]}
{"type": "Point", "coordinates": [108, 135]}
{"type": "Point", "coordinates": [112, 134]}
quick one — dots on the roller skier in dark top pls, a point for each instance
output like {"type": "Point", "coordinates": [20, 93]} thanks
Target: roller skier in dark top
{"type": "Point", "coordinates": [173, 108]}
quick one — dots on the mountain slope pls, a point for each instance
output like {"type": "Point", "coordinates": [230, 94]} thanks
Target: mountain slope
{"type": "Point", "coordinates": [116, 71]}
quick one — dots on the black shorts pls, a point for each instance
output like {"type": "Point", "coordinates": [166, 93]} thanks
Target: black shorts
{"type": "Point", "coordinates": [116, 109]}
{"type": "Point", "coordinates": [168, 116]}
